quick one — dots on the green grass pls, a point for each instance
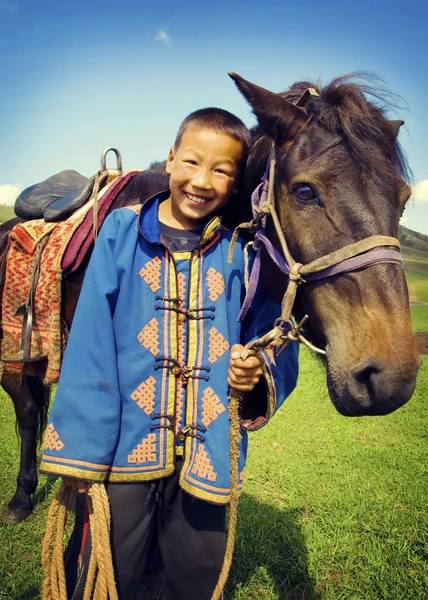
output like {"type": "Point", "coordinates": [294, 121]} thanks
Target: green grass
{"type": "Point", "coordinates": [333, 508]}
{"type": "Point", "coordinates": [416, 270]}
{"type": "Point", "coordinates": [419, 316]}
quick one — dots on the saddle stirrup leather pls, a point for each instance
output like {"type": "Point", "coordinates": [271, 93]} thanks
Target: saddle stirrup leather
{"type": "Point", "coordinates": [24, 353]}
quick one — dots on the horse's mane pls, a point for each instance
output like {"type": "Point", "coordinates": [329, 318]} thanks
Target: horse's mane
{"type": "Point", "coordinates": [356, 107]}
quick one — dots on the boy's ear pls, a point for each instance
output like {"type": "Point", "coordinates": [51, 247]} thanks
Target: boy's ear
{"type": "Point", "coordinates": [170, 160]}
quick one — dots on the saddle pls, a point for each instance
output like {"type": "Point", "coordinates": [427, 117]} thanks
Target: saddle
{"type": "Point", "coordinates": [52, 201]}
{"type": "Point", "coordinates": [59, 196]}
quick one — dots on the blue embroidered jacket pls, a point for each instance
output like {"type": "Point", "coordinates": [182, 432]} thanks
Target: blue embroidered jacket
{"type": "Point", "coordinates": [144, 375]}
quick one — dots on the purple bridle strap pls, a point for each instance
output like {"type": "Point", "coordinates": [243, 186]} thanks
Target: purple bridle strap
{"type": "Point", "coordinates": [355, 263]}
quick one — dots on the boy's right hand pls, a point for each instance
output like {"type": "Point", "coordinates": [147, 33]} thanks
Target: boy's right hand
{"type": "Point", "coordinates": [81, 486]}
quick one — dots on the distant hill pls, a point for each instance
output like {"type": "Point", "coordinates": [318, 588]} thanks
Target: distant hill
{"type": "Point", "coordinates": [413, 241]}
{"type": "Point", "coordinates": [6, 213]}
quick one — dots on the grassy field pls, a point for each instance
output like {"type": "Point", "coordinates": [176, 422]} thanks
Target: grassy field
{"type": "Point", "coordinates": [333, 508]}
{"type": "Point", "coordinates": [419, 318]}
{"type": "Point", "coordinates": [416, 269]}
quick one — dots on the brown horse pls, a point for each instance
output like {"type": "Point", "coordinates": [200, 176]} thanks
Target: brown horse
{"type": "Point", "coordinates": [339, 178]}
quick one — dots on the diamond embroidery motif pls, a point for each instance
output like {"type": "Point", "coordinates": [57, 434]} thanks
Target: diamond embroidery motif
{"type": "Point", "coordinates": [218, 345]}
{"type": "Point", "coordinates": [52, 440]}
{"type": "Point", "coordinates": [149, 336]}
{"type": "Point", "coordinates": [202, 465]}
{"type": "Point", "coordinates": [144, 452]}
{"type": "Point", "coordinates": [181, 282]}
{"type": "Point", "coordinates": [144, 395]}
{"type": "Point", "coordinates": [211, 407]}
{"type": "Point", "coordinates": [215, 282]}
{"type": "Point", "coordinates": [151, 273]}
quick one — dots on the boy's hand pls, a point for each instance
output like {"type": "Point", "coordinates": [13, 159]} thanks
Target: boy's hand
{"type": "Point", "coordinates": [78, 485]}
{"type": "Point", "coordinates": [243, 374]}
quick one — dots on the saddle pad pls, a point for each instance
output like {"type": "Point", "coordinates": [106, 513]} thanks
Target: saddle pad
{"type": "Point", "coordinates": [83, 238]}
{"type": "Point", "coordinates": [47, 335]}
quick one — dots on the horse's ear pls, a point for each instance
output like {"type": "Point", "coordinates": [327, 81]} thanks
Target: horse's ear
{"type": "Point", "coordinates": [277, 116]}
{"type": "Point", "coordinates": [395, 127]}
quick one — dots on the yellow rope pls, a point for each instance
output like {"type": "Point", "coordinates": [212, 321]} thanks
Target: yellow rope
{"type": "Point", "coordinates": [234, 497]}
{"type": "Point", "coordinates": [54, 586]}
{"type": "Point", "coordinates": [100, 583]}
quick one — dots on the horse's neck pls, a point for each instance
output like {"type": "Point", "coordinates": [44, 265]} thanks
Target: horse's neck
{"type": "Point", "coordinates": [257, 160]}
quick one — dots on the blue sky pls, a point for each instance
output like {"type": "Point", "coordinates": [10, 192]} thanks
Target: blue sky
{"type": "Point", "coordinates": [77, 76]}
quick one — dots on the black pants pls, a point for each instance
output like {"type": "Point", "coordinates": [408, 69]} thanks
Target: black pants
{"type": "Point", "coordinates": [188, 533]}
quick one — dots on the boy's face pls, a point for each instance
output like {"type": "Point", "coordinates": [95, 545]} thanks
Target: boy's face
{"type": "Point", "coordinates": [203, 174]}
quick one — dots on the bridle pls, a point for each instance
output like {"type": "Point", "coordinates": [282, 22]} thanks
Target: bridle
{"type": "Point", "coordinates": [352, 257]}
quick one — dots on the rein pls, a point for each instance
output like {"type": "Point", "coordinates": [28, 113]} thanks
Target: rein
{"type": "Point", "coordinates": [353, 257]}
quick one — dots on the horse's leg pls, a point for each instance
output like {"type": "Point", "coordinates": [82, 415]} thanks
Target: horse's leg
{"type": "Point", "coordinates": [30, 398]}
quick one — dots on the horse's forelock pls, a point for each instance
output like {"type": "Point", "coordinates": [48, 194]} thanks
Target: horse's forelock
{"type": "Point", "coordinates": [356, 106]}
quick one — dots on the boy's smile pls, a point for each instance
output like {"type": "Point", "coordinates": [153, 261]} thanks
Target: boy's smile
{"type": "Point", "coordinates": [203, 171]}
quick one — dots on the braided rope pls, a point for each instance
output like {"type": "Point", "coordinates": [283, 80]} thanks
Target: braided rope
{"type": "Point", "coordinates": [54, 586]}
{"type": "Point", "coordinates": [235, 427]}
{"type": "Point", "coordinates": [100, 583]}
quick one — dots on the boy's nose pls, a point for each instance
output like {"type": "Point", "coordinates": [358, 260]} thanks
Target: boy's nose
{"type": "Point", "coordinates": [202, 179]}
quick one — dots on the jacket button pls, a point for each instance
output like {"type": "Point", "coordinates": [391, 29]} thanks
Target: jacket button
{"type": "Point", "coordinates": [176, 370]}
{"type": "Point", "coordinates": [181, 317]}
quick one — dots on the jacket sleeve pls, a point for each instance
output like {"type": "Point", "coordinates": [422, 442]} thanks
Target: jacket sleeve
{"type": "Point", "coordinates": [279, 372]}
{"type": "Point", "coordinates": [83, 425]}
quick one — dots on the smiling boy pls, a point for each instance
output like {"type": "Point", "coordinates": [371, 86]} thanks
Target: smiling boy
{"type": "Point", "coordinates": [155, 344]}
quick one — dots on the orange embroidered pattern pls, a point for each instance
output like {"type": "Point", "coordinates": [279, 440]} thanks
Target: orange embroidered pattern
{"type": "Point", "coordinates": [211, 407]}
{"type": "Point", "coordinates": [202, 465]}
{"type": "Point", "coordinates": [145, 394]}
{"type": "Point", "coordinates": [151, 273]}
{"type": "Point", "coordinates": [144, 452]}
{"type": "Point", "coordinates": [218, 345]}
{"type": "Point", "coordinates": [149, 336]}
{"type": "Point", "coordinates": [52, 441]}
{"type": "Point", "coordinates": [180, 389]}
{"type": "Point", "coordinates": [179, 404]}
{"type": "Point", "coordinates": [181, 282]}
{"type": "Point", "coordinates": [215, 283]}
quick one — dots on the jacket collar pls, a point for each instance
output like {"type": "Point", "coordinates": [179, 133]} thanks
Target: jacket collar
{"type": "Point", "coordinates": [148, 221]}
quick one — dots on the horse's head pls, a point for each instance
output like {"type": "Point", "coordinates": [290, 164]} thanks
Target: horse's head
{"type": "Point", "coordinates": [340, 178]}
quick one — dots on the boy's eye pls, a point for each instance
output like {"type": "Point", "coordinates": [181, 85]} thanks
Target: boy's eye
{"type": "Point", "coordinates": [190, 162]}
{"type": "Point", "coordinates": [223, 172]}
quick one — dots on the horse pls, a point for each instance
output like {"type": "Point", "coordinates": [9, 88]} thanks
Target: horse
{"type": "Point", "coordinates": [339, 177]}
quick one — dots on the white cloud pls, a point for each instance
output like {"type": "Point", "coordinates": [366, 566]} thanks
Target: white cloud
{"type": "Point", "coordinates": [163, 37]}
{"type": "Point", "coordinates": [8, 193]}
{"type": "Point", "coordinates": [420, 191]}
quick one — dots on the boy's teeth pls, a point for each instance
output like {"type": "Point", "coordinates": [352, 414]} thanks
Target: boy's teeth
{"type": "Point", "coordinates": [196, 199]}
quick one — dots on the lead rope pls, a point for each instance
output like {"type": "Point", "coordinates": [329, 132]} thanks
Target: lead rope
{"type": "Point", "coordinates": [100, 583]}
{"type": "Point", "coordinates": [234, 436]}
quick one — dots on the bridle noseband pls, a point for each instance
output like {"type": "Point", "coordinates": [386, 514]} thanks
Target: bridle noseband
{"type": "Point", "coordinates": [353, 257]}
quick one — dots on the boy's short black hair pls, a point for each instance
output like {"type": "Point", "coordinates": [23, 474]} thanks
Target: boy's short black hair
{"type": "Point", "coordinates": [218, 120]}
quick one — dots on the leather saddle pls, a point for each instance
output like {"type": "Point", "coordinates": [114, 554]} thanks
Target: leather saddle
{"type": "Point", "coordinates": [59, 196]}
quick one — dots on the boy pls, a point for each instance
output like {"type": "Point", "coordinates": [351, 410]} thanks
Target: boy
{"type": "Point", "coordinates": [155, 343]}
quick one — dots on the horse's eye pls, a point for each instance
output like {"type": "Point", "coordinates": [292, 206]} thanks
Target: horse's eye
{"type": "Point", "coordinates": [305, 194]}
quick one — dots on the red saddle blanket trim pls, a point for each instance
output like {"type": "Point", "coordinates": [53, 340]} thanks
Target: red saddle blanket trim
{"type": "Point", "coordinates": [83, 237]}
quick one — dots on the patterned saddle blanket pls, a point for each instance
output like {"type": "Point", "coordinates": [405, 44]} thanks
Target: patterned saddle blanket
{"type": "Point", "coordinates": [68, 242]}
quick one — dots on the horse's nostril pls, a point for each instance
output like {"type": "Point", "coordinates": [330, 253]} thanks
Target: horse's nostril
{"type": "Point", "coordinates": [365, 372]}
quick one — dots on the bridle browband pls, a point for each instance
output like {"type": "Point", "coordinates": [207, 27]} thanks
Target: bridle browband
{"type": "Point", "coordinates": [353, 257]}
